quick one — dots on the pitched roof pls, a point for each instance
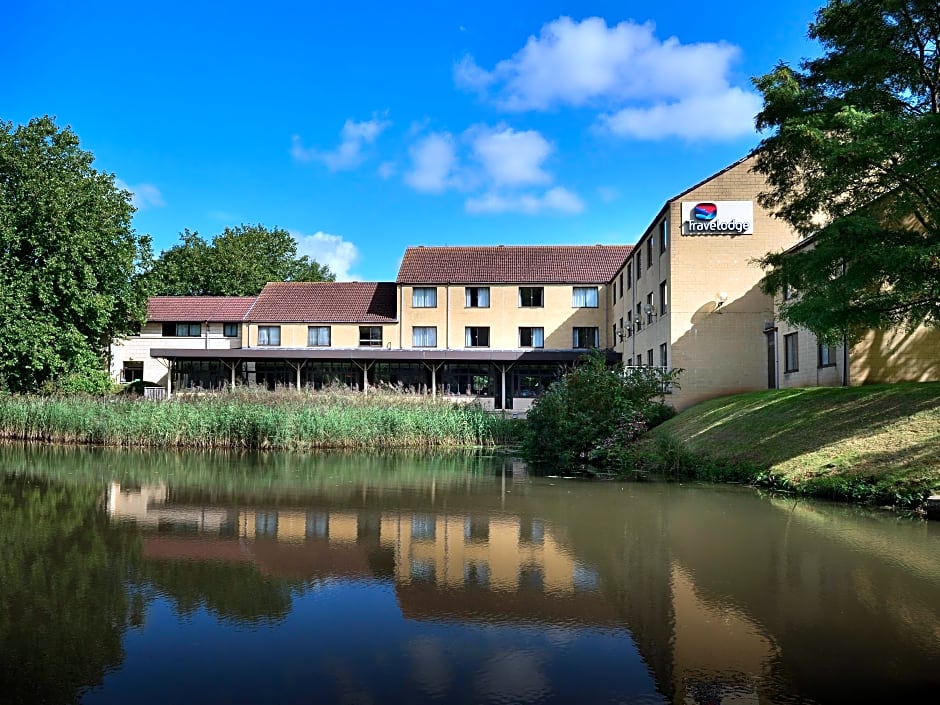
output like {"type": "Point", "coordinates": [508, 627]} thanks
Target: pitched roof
{"type": "Point", "coordinates": [506, 264]}
{"type": "Point", "coordinates": [198, 308]}
{"type": "Point", "coordinates": [325, 302]}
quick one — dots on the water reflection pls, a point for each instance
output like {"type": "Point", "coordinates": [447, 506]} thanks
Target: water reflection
{"type": "Point", "coordinates": [464, 582]}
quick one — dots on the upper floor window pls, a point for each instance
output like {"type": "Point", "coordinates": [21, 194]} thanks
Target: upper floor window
{"type": "Point", "coordinates": [649, 252]}
{"type": "Point", "coordinates": [370, 336]}
{"type": "Point", "coordinates": [318, 336]}
{"type": "Point", "coordinates": [663, 294]}
{"type": "Point", "coordinates": [621, 285]}
{"type": "Point", "coordinates": [629, 275]}
{"type": "Point", "coordinates": [650, 308]}
{"type": "Point", "coordinates": [424, 297]}
{"type": "Point", "coordinates": [584, 337]}
{"type": "Point", "coordinates": [424, 336]}
{"type": "Point", "coordinates": [614, 289]}
{"type": "Point", "coordinates": [269, 335]}
{"type": "Point", "coordinates": [584, 297]}
{"type": "Point", "coordinates": [531, 337]}
{"type": "Point", "coordinates": [663, 235]}
{"type": "Point", "coordinates": [531, 296]}
{"type": "Point", "coordinates": [639, 265]}
{"type": "Point", "coordinates": [230, 330]}
{"type": "Point", "coordinates": [477, 336]}
{"type": "Point", "coordinates": [478, 297]}
{"type": "Point", "coordinates": [182, 330]}
{"type": "Point", "coordinates": [663, 355]}
{"type": "Point", "coordinates": [639, 319]}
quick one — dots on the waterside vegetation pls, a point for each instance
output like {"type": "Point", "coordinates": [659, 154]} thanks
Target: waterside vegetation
{"type": "Point", "coordinates": [256, 419]}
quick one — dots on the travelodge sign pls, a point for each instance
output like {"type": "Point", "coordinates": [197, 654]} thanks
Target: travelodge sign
{"type": "Point", "coordinates": [717, 218]}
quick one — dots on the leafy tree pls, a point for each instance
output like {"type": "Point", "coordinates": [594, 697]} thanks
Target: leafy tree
{"type": "Point", "coordinates": [853, 159]}
{"type": "Point", "coordinates": [595, 412]}
{"type": "Point", "coordinates": [68, 258]}
{"type": "Point", "coordinates": [238, 262]}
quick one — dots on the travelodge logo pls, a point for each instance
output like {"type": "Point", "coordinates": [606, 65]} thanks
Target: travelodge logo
{"type": "Point", "coordinates": [718, 218]}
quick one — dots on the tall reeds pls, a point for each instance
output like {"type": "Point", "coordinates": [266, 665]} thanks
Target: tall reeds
{"type": "Point", "coordinates": [254, 419]}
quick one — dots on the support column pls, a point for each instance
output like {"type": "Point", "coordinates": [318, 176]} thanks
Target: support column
{"type": "Point", "coordinates": [169, 378]}
{"type": "Point", "coordinates": [365, 367]}
{"type": "Point", "coordinates": [232, 365]}
{"type": "Point", "coordinates": [434, 367]}
{"type": "Point", "coordinates": [297, 366]}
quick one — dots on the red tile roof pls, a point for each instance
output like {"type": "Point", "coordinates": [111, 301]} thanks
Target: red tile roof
{"type": "Point", "coordinates": [506, 264]}
{"type": "Point", "coordinates": [325, 302]}
{"type": "Point", "coordinates": [198, 308]}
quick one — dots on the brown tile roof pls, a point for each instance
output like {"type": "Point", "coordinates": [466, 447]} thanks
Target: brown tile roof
{"type": "Point", "coordinates": [506, 264]}
{"type": "Point", "coordinates": [198, 308]}
{"type": "Point", "coordinates": [325, 302]}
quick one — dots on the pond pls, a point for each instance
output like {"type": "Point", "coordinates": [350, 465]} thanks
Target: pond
{"type": "Point", "coordinates": [220, 578]}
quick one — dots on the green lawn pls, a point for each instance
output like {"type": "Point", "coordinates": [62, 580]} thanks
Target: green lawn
{"type": "Point", "coordinates": [878, 443]}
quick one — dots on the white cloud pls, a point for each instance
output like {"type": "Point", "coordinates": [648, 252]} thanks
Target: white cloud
{"type": "Point", "coordinates": [331, 250]}
{"type": "Point", "coordinates": [433, 163]}
{"type": "Point", "coordinates": [511, 158]}
{"type": "Point", "coordinates": [349, 154]}
{"type": "Point", "coordinates": [624, 67]}
{"type": "Point", "coordinates": [555, 200]}
{"type": "Point", "coordinates": [143, 196]}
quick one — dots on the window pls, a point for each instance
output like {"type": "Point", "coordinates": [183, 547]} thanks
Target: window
{"type": "Point", "coordinates": [614, 298]}
{"type": "Point", "coordinates": [614, 336]}
{"type": "Point", "coordinates": [182, 330]}
{"type": "Point", "coordinates": [584, 297]}
{"type": "Point", "coordinates": [649, 252]}
{"type": "Point", "coordinates": [531, 296]}
{"type": "Point", "coordinates": [424, 337]}
{"type": "Point", "coordinates": [663, 356]}
{"type": "Point", "coordinates": [649, 357]}
{"type": "Point", "coordinates": [827, 355]}
{"type": "Point", "coordinates": [478, 297]}
{"type": "Point", "coordinates": [663, 295]}
{"type": "Point", "coordinates": [663, 235]}
{"type": "Point", "coordinates": [791, 352]}
{"type": "Point", "coordinates": [639, 317]}
{"type": "Point", "coordinates": [477, 336]}
{"type": "Point", "coordinates": [621, 285]}
{"type": "Point", "coordinates": [629, 323]}
{"type": "Point", "coordinates": [370, 336]}
{"type": "Point", "coordinates": [788, 292]}
{"type": "Point", "coordinates": [132, 371]}
{"type": "Point", "coordinates": [318, 336]}
{"type": "Point", "coordinates": [269, 335]}
{"type": "Point", "coordinates": [424, 297]}
{"type": "Point", "coordinates": [531, 337]}
{"type": "Point", "coordinates": [639, 266]}
{"type": "Point", "coordinates": [584, 337]}
{"type": "Point", "coordinates": [650, 309]}
{"type": "Point", "coordinates": [230, 330]}
{"type": "Point", "coordinates": [629, 275]}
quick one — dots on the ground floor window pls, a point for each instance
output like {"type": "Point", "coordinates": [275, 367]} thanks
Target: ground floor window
{"type": "Point", "coordinates": [200, 375]}
{"type": "Point", "coordinates": [132, 371]}
{"type": "Point", "coordinates": [791, 353]}
{"type": "Point", "coordinates": [477, 336]}
{"type": "Point", "coordinates": [827, 355]}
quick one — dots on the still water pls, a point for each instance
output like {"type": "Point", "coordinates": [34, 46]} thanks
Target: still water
{"type": "Point", "coordinates": [131, 577]}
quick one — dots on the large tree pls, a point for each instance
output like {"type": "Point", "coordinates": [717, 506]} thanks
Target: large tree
{"type": "Point", "coordinates": [852, 159]}
{"type": "Point", "coordinates": [68, 259]}
{"type": "Point", "coordinates": [238, 262]}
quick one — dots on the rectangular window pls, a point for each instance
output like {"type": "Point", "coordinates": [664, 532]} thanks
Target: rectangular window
{"type": "Point", "coordinates": [477, 336]}
{"type": "Point", "coordinates": [531, 296]}
{"type": "Point", "coordinates": [230, 330]}
{"type": "Point", "coordinates": [182, 330]}
{"type": "Point", "coordinates": [531, 337]}
{"type": "Point", "coordinates": [584, 297]}
{"type": "Point", "coordinates": [614, 295]}
{"type": "Point", "coordinates": [424, 297]}
{"type": "Point", "coordinates": [478, 297]}
{"type": "Point", "coordinates": [639, 266]}
{"type": "Point", "coordinates": [791, 352]}
{"type": "Point", "coordinates": [584, 337]}
{"type": "Point", "coordinates": [318, 336]}
{"type": "Point", "coordinates": [827, 355]}
{"type": "Point", "coordinates": [663, 235]}
{"type": "Point", "coordinates": [663, 356]}
{"type": "Point", "coordinates": [132, 371]}
{"type": "Point", "coordinates": [370, 336]}
{"type": "Point", "coordinates": [621, 285]}
{"type": "Point", "coordinates": [614, 337]}
{"type": "Point", "coordinates": [663, 295]}
{"type": "Point", "coordinates": [629, 323]}
{"type": "Point", "coordinates": [639, 317]}
{"type": "Point", "coordinates": [424, 337]}
{"type": "Point", "coordinates": [649, 357]}
{"type": "Point", "coordinates": [649, 252]}
{"type": "Point", "coordinates": [629, 275]}
{"type": "Point", "coordinates": [269, 335]}
{"type": "Point", "coordinates": [650, 308]}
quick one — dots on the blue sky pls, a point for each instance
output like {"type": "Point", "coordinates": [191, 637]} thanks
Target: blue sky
{"type": "Point", "coordinates": [366, 127]}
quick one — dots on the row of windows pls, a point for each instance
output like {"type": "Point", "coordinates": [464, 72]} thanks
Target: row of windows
{"type": "Point", "coordinates": [648, 248]}
{"type": "Point", "coordinates": [825, 354]}
{"type": "Point", "coordinates": [529, 297]}
{"type": "Point", "coordinates": [320, 336]}
{"type": "Point", "coordinates": [640, 361]}
{"type": "Point", "coordinates": [644, 311]}
{"type": "Point", "coordinates": [194, 330]}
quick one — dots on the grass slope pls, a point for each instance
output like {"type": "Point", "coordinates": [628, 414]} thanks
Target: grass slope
{"type": "Point", "coordinates": [877, 443]}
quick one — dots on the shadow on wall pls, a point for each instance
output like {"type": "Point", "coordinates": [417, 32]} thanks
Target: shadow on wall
{"type": "Point", "coordinates": [897, 355]}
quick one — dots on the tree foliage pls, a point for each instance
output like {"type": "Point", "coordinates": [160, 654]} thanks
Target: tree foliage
{"type": "Point", "coordinates": [68, 257]}
{"type": "Point", "coordinates": [595, 412]}
{"type": "Point", "coordinates": [852, 158]}
{"type": "Point", "coordinates": [238, 262]}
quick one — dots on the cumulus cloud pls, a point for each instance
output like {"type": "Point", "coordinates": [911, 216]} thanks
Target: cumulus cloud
{"type": "Point", "coordinates": [554, 200]}
{"type": "Point", "coordinates": [143, 196]}
{"type": "Point", "coordinates": [355, 136]}
{"type": "Point", "coordinates": [433, 163]}
{"type": "Point", "coordinates": [511, 158]}
{"type": "Point", "coordinates": [621, 68]}
{"type": "Point", "coordinates": [332, 250]}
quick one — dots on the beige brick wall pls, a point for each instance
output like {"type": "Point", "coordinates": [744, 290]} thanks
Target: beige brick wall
{"type": "Point", "coordinates": [896, 356]}
{"type": "Point", "coordinates": [809, 373]}
{"type": "Point", "coordinates": [342, 335]}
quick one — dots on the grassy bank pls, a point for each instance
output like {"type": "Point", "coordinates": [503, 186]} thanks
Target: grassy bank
{"type": "Point", "coordinates": [254, 419]}
{"type": "Point", "coordinates": [877, 444]}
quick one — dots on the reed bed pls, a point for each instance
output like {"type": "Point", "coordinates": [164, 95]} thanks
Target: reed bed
{"type": "Point", "coordinates": [256, 420]}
